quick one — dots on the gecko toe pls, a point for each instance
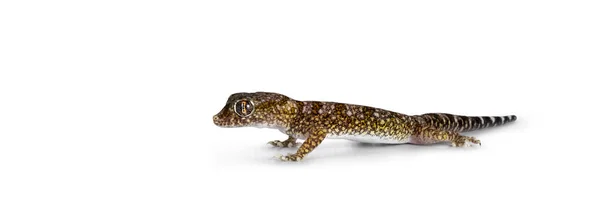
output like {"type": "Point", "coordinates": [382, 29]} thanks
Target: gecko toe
{"type": "Point", "coordinates": [285, 144]}
{"type": "Point", "coordinates": [289, 157]}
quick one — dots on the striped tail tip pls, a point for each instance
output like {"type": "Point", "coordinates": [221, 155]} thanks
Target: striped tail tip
{"type": "Point", "coordinates": [490, 121]}
{"type": "Point", "coordinates": [459, 123]}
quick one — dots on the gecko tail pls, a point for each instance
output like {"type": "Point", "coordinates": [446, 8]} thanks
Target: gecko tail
{"type": "Point", "coordinates": [459, 123]}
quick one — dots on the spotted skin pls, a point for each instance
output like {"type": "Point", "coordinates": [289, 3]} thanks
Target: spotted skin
{"type": "Point", "coordinates": [314, 121]}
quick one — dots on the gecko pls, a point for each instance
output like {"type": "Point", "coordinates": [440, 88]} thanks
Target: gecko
{"type": "Point", "coordinates": [314, 121]}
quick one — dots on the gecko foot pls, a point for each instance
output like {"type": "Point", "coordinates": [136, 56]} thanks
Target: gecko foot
{"type": "Point", "coordinates": [285, 143]}
{"type": "Point", "coordinates": [289, 157]}
{"type": "Point", "coordinates": [464, 141]}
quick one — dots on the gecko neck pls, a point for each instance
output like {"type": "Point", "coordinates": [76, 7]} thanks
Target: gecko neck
{"type": "Point", "coordinates": [280, 115]}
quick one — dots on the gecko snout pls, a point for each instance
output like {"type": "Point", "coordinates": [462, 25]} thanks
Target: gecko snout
{"type": "Point", "coordinates": [215, 119]}
{"type": "Point", "coordinates": [218, 120]}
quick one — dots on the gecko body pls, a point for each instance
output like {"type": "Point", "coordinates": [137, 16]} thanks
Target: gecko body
{"type": "Point", "coordinates": [314, 121]}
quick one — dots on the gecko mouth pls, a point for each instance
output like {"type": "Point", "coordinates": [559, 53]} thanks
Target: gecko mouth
{"type": "Point", "coordinates": [230, 122]}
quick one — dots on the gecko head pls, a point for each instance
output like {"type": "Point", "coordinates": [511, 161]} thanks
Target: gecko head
{"type": "Point", "coordinates": [260, 109]}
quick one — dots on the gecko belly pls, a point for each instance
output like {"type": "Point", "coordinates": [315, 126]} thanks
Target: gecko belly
{"type": "Point", "coordinates": [365, 138]}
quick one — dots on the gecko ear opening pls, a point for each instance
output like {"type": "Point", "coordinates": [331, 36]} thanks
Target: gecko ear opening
{"type": "Point", "coordinates": [243, 107]}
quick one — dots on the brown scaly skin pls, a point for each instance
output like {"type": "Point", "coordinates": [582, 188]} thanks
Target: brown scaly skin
{"type": "Point", "coordinates": [313, 121]}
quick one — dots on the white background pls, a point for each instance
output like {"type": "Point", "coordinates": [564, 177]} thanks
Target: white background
{"type": "Point", "coordinates": [114, 99]}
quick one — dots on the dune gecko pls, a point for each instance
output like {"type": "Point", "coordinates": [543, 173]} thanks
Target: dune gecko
{"type": "Point", "coordinates": [313, 121]}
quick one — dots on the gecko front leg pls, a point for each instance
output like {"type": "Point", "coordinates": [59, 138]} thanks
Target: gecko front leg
{"type": "Point", "coordinates": [290, 142]}
{"type": "Point", "coordinates": [314, 139]}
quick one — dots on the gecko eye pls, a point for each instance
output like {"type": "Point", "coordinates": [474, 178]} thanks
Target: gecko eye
{"type": "Point", "coordinates": [243, 107]}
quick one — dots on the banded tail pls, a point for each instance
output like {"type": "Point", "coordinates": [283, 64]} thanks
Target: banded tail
{"type": "Point", "coordinates": [458, 123]}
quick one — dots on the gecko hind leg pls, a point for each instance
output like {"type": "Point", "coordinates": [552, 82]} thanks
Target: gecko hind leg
{"type": "Point", "coordinates": [465, 141]}
{"type": "Point", "coordinates": [431, 135]}
{"type": "Point", "coordinates": [290, 142]}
